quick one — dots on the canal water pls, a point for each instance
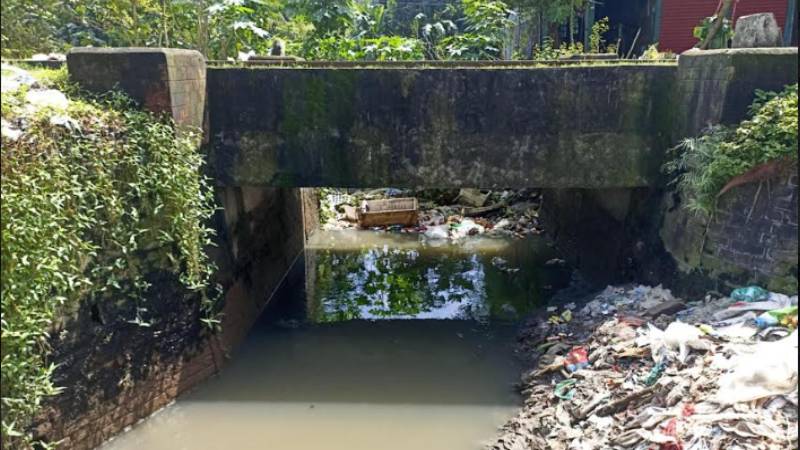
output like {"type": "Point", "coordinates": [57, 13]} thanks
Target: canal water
{"type": "Point", "coordinates": [395, 343]}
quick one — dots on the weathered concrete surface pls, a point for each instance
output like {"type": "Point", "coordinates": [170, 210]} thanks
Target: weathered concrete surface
{"type": "Point", "coordinates": [162, 80]}
{"type": "Point", "coordinates": [718, 86]}
{"type": "Point", "coordinates": [601, 231]}
{"type": "Point", "coordinates": [587, 127]}
{"type": "Point", "coordinates": [260, 235]}
{"type": "Point", "coordinates": [752, 238]}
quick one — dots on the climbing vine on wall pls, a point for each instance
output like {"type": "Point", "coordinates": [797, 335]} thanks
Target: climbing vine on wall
{"type": "Point", "coordinates": [758, 148]}
{"type": "Point", "coordinates": [94, 196]}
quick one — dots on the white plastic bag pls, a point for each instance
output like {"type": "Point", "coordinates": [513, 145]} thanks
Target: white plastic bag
{"type": "Point", "coordinates": [770, 370]}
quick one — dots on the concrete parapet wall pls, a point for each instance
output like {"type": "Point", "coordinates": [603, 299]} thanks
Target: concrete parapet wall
{"type": "Point", "coordinates": [718, 86]}
{"type": "Point", "coordinates": [162, 80]}
{"type": "Point", "coordinates": [580, 127]}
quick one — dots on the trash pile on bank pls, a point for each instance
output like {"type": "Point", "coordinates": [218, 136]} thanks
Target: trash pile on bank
{"type": "Point", "coordinates": [25, 100]}
{"type": "Point", "coordinates": [636, 368]}
{"type": "Point", "coordinates": [441, 214]}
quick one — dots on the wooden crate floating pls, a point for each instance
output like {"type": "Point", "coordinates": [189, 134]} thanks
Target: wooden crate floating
{"type": "Point", "coordinates": [392, 211]}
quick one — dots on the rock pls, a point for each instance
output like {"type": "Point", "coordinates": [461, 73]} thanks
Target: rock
{"type": "Point", "coordinates": [47, 98]}
{"type": "Point", "coordinates": [472, 197]}
{"type": "Point", "coordinates": [14, 77]}
{"type": "Point", "coordinates": [757, 30]}
{"type": "Point", "coordinates": [9, 132]}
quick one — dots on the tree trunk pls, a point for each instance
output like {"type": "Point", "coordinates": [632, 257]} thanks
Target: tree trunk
{"type": "Point", "coordinates": [533, 37]}
{"type": "Point", "coordinates": [202, 27]}
{"type": "Point", "coordinates": [555, 35]}
{"type": "Point", "coordinates": [720, 16]}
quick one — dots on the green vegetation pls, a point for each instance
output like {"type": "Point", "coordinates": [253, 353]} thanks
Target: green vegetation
{"type": "Point", "coordinates": [704, 165]}
{"type": "Point", "coordinates": [596, 38]}
{"type": "Point", "coordinates": [384, 48]}
{"type": "Point", "coordinates": [351, 30]}
{"type": "Point", "coordinates": [720, 39]}
{"type": "Point", "coordinates": [94, 197]}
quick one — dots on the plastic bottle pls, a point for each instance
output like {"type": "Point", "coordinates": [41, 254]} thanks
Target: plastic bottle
{"type": "Point", "coordinates": [766, 320]}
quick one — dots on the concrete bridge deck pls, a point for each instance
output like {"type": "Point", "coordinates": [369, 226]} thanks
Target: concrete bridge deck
{"type": "Point", "coordinates": [603, 126]}
{"type": "Point", "coordinates": [490, 124]}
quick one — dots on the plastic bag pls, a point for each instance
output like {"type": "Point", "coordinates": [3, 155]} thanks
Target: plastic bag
{"type": "Point", "coordinates": [770, 370]}
{"type": "Point", "coordinates": [577, 359]}
{"type": "Point", "coordinates": [750, 294]}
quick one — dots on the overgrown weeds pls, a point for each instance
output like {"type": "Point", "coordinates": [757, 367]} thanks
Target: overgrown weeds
{"type": "Point", "coordinates": [94, 197]}
{"type": "Point", "coordinates": [703, 166]}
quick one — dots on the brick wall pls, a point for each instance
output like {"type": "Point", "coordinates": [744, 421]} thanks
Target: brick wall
{"type": "Point", "coordinates": [753, 235]}
{"type": "Point", "coordinates": [751, 239]}
{"type": "Point", "coordinates": [114, 372]}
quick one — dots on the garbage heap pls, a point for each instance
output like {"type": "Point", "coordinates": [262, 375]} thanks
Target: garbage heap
{"type": "Point", "coordinates": [637, 368]}
{"type": "Point", "coordinates": [443, 213]}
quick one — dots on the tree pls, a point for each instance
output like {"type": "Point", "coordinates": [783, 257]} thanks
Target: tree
{"type": "Point", "coordinates": [717, 22]}
{"type": "Point", "coordinates": [27, 27]}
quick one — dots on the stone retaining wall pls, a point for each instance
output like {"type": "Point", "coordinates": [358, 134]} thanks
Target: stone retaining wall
{"type": "Point", "coordinates": [752, 238]}
{"type": "Point", "coordinates": [753, 235]}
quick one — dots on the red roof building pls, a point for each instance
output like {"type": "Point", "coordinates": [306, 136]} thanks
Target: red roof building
{"type": "Point", "coordinates": [679, 17]}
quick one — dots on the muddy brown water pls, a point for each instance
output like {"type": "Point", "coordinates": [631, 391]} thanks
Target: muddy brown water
{"type": "Point", "coordinates": [357, 366]}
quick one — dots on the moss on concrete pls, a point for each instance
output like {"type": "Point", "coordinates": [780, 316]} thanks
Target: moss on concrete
{"type": "Point", "coordinates": [588, 127]}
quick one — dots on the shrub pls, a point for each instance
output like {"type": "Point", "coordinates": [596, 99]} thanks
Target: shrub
{"type": "Point", "coordinates": [384, 48]}
{"type": "Point", "coordinates": [704, 165]}
{"type": "Point", "coordinates": [87, 193]}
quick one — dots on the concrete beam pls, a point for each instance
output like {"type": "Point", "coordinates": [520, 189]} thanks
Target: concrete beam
{"type": "Point", "coordinates": [576, 127]}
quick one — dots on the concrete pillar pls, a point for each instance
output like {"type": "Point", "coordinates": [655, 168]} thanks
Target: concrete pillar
{"type": "Point", "coordinates": [718, 86]}
{"type": "Point", "coordinates": [162, 80]}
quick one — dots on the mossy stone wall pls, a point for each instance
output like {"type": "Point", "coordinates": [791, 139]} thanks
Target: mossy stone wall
{"type": "Point", "coordinates": [577, 127]}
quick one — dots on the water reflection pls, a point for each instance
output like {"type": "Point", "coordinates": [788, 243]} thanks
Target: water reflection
{"type": "Point", "coordinates": [369, 275]}
{"type": "Point", "coordinates": [365, 385]}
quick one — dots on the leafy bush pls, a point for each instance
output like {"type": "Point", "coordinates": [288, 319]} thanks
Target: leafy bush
{"type": "Point", "coordinates": [93, 198]}
{"type": "Point", "coordinates": [549, 52]}
{"type": "Point", "coordinates": [705, 164]}
{"type": "Point", "coordinates": [384, 48]}
{"type": "Point", "coordinates": [722, 37]}
{"type": "Point", "coordinates": [486, 24]}
{"type": "Point", "coordinates": [652, 54]}
{"type": "Point", "coordinates": [596, 40]}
